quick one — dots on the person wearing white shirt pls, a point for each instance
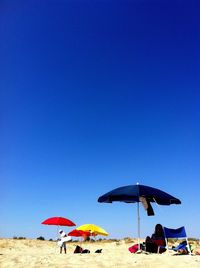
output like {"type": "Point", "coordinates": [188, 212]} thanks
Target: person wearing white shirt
{"type": "Point", "coordinates": [63, 240]}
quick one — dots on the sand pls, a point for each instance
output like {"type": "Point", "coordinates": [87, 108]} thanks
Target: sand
{"type": "Point", "coordinates": [35, 253]}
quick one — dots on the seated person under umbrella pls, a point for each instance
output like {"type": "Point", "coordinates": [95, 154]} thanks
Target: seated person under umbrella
{"type": "Point", "coordinates": [156, 243]}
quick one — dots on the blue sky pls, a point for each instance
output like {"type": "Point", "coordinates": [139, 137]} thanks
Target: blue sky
{"type": "Point", "coordinates": [95, 95]}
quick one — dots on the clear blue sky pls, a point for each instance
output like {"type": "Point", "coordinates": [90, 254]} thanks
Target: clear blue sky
{"type": "Point", "coordinates": [95, 95]}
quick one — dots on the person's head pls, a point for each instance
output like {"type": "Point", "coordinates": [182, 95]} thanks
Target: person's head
{"type": "Point", "coordinates": [60, 231]}
{"type": "Point", "coordinates": [158, 229]}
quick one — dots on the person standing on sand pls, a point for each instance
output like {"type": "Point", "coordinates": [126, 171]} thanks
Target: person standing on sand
{"type": "Point", "coordinates": [62, 242]}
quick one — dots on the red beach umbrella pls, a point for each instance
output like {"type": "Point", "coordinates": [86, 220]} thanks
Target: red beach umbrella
{"type": "Point", "coordinates": [60, 221]}
{"type": "Point", "coordinates": [79, 233]}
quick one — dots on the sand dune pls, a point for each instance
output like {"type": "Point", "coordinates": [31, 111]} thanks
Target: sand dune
{"type": "Point", "coordinates": [35, 253]}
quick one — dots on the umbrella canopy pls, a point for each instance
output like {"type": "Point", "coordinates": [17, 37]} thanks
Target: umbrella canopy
{"type": "Point", "coordinates": [139, 193]}
{"type": "Point", "coordinates": [132, 194]}
{"type": "Point", "coordinates": [93, 229]}
{"type": "Point", "coordinates": [78, 233]}
{"type": "Point", "coordinates": [59, 221]}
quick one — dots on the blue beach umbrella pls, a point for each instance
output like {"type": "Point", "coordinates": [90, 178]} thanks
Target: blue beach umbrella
{"type": "Point", "coordinates": [139, 193]}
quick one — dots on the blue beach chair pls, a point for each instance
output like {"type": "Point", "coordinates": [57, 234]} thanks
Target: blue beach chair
{"type": "Point", "coordinates": [177, 233]}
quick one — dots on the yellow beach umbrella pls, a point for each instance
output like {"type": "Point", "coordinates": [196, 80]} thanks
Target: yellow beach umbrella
{"type": "Point", "coordinates": [93, 229]}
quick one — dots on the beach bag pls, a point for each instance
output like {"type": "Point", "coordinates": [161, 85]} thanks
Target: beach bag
{"type": "Point", "coordinates": [98, 250]}
{"type": "Point", "coordinates": [133, 248]}
{"type": "Point", "coordinates": [78, 249]}
{"type": "Point", "coordinates": [85, 251]}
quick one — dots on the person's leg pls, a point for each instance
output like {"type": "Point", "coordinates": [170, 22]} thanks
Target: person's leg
{"type": "Point", "coordinates": [61, 247]}
{"type": "Point", "coordinates": [150, 245]}
{"type": "Point", "coordinates": [64, 246]}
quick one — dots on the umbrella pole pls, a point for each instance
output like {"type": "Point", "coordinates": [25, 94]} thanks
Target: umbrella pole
{"type": "Point", "coordinates": [138, 212]}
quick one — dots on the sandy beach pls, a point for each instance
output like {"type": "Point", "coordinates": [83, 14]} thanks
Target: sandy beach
{"type": "Point", "coordinates": [36, 253]}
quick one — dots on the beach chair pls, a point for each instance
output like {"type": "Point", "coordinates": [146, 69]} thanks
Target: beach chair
{"type": "Point", "coordinates": [177, 233]}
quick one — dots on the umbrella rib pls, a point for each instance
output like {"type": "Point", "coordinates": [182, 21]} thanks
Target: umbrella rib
{"type": "Point", "coordinates": [155, 201]}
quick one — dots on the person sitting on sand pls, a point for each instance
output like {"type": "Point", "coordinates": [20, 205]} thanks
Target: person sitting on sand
{"type": "Point", "coordinates": [195, 248]}
{"type": "Point", "coordinates": [87, 238]}
{"type": "Point", "coordinates": [157, 239]}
